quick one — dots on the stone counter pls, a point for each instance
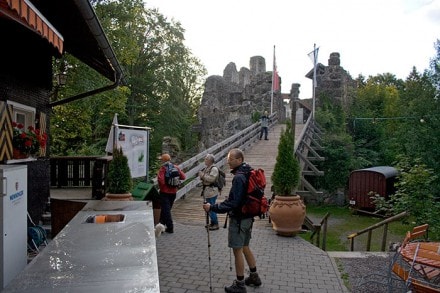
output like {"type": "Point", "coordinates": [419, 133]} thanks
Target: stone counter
{"type": "Point", "coordinates": [92, 255]}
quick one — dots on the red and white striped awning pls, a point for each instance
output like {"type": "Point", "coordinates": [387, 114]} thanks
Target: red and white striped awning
{"type": "Point", "coordinates": [25, 13]}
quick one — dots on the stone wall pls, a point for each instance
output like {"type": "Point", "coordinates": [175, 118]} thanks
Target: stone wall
{"type": "Point", "coordinates": [229, 101]}
{"type": "Point", "coordinates": [335, 82]}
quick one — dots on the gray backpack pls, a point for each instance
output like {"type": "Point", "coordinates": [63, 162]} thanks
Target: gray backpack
{"type": "Point", "coordinates": [172, 176]}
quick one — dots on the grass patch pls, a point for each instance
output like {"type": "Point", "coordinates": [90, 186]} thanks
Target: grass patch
{"type": "Point", "coordinates": [344, 275]}
{"type": "Point", "coordinates": [342, 222]}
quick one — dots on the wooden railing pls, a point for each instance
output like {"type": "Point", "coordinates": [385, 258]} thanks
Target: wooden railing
{"type": "Point", "coordinates": [316, 231]}
{"type": "Point", "coordinates": [370, 229]}
{"type": "Point", "coordinates": [72, 172]}
{"type": "Point", "coordinates": [243, 140]}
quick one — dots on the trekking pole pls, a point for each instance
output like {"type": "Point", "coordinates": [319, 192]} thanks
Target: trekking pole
{"type": "Point", "coordinates": [230, 259]}
{"type": "Point", "coordinates": [209, 244]}
{"type": "Point", "coordinates": [230, 249]}
{"type": "Point", "coordinates": [226, 221]}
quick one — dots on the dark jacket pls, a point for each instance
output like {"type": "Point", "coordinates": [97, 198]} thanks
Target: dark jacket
{"type": "Point", "coordinates": [233, 203]}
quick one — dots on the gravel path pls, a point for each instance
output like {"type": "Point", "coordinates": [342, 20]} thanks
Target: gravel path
{"type": "Point", "coordinates": [357, 268]}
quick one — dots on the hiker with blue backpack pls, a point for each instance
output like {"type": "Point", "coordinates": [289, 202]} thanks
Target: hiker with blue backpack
{"type": "Point", "coordinates": [240, 226]}
{"type": "Point", "coordinates": [168, 178]}
{"type": "Point", "coordinates": [210, 191]}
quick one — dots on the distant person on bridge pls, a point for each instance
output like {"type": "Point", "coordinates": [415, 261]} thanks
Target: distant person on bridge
{"type": "Point", "coordinates": [167, 193]}
{"type": "Point", "coordinates": [210, 192]}
{"type": "Point", "coordinates": [265, 119]}
{"type": "Point", "coordinates": [240, 228]}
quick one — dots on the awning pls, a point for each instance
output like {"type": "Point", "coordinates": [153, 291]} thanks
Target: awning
{"type": "Point", "coordinates": [25, 13]}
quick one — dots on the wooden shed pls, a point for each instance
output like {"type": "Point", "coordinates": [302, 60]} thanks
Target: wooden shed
{"type": "Point", "coordinates": [365, 182]}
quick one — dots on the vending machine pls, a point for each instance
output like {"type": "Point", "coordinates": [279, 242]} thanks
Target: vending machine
{"type": "Point", "coordinates": [13, 221]}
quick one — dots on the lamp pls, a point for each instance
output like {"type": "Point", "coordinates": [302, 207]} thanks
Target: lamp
{"type": "Point", "coordinates": [61, 79]}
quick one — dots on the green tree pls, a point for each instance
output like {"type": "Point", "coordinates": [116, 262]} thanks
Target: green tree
{"type": "Point", "coordinates": [375, 113]}
{"type": "Point", "coordinates": [164, 78]}
{"type": "Point", "coordinates": [416, 194]}
{"type": "Point", "coordinates": [163, 83]}
{"type": "Point", "coordinates": [285, 176]}
{"type": "Point", "coordinates": [338, 148]}
{"type": "Point", "coordinates": [119, 176]}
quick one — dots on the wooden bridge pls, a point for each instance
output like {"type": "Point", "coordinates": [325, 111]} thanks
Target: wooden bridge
{"type": "Point", "coordinates": [261, 154]}
{"type": "Point", "coordinates": [258, 153]}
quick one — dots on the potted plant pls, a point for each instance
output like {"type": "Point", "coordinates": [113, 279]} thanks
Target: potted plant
{"type": "Point", "coordinates": [119, 178]}
{"type": "Point", "coordinates": [27, 142]}
{"type": "Point", "coordinates": [287, 210]}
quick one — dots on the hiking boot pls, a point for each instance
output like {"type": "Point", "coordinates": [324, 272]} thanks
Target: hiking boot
{"type": "Point", "coordinates": [213, 227]}
{"type": "Point", "coordinates": [236, 287]}
{"type": "Point", "coordinates": [253, 280]}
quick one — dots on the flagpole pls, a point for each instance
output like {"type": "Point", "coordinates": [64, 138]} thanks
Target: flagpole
{"type": "Point", "coordinates": [314, 80]}
{"type": "Point", "coordinates": [273, 81]}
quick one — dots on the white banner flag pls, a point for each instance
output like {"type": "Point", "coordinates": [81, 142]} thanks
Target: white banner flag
{"type": "Point", "coordinates": [111, 141]}
{"type": "Point", "coordinates": [314, 57]}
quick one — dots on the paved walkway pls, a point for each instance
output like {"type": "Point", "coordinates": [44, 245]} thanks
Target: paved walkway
{"type": "Point", "coordinates": [189, 262]}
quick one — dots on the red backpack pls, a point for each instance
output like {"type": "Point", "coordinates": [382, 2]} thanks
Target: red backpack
{"type": "Point", "coordinates": [255, 203]}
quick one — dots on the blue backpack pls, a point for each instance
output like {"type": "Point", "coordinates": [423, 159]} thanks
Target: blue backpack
{"type": "Point", "coordinates": [172, 175]}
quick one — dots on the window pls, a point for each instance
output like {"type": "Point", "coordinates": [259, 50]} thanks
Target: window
{"type": "Point", "coordinates": [23, 114]}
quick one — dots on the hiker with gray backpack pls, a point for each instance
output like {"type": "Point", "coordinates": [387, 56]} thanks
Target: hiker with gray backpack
{"type": "Point", "coordinates": [210, 176]}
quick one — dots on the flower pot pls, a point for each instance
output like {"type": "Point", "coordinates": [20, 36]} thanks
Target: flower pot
{"type": "Point", "coordinates": [287, 214]}
{"type": "Point", "coordinates": [118, 196]}
{"type": "Point", "coordinates": [17, 154]}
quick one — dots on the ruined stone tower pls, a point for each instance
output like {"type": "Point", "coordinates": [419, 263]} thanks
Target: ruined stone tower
{"type": "Point", "coordinates": [229, 101]}
{"type": "Point", "coordinates": [334, 82]}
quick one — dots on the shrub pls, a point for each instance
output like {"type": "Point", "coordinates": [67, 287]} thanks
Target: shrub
{"type": "Point", "coordinates": [119, 176]}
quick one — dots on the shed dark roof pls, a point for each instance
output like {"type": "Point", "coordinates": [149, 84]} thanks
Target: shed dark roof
{"type": "Point", "coordinates": [387, 171]}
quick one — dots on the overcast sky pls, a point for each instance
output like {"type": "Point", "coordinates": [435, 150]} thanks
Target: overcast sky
{"type": "Point", "coordinates": [372, 36]}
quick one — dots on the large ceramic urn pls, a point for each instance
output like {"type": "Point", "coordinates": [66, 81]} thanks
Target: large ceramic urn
{"type": "Point", "coordinates": [287, 214]}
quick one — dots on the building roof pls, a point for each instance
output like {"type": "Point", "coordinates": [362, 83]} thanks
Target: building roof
{"type": "Point", "coordinates": [387, 171]}
{"type": "Point", "coordinates": [70, 26]}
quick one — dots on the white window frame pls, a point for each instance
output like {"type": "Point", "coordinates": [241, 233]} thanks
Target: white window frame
{"type": "Point", "coordinates": [26, 111]}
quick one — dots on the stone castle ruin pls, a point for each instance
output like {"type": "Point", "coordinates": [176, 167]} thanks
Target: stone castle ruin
{"type": "Point", "coordinates": [334, 82]}
{"type": "Point", "coordinates": [230, 101]}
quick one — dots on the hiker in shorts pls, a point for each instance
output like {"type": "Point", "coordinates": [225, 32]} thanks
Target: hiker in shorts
{"type": "Point", "coordinates": [210, 192]}
{"type": "Point", "coordinates": [240, 229]}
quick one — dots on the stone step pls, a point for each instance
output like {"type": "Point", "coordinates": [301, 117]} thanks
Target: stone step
{"type": "Point", "coordinates": [46, 218]}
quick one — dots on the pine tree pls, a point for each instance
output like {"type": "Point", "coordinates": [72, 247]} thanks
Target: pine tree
{"type": "Point", "coordinates": [119, 176]}
{"type": "Point", "coordinates": [285, 176]}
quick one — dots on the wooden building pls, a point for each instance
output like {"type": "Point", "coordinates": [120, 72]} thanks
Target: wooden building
{"type": "Point", "coordinates": [364, 183]}
{"type": "Point", "coordinates": [33, 33]}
